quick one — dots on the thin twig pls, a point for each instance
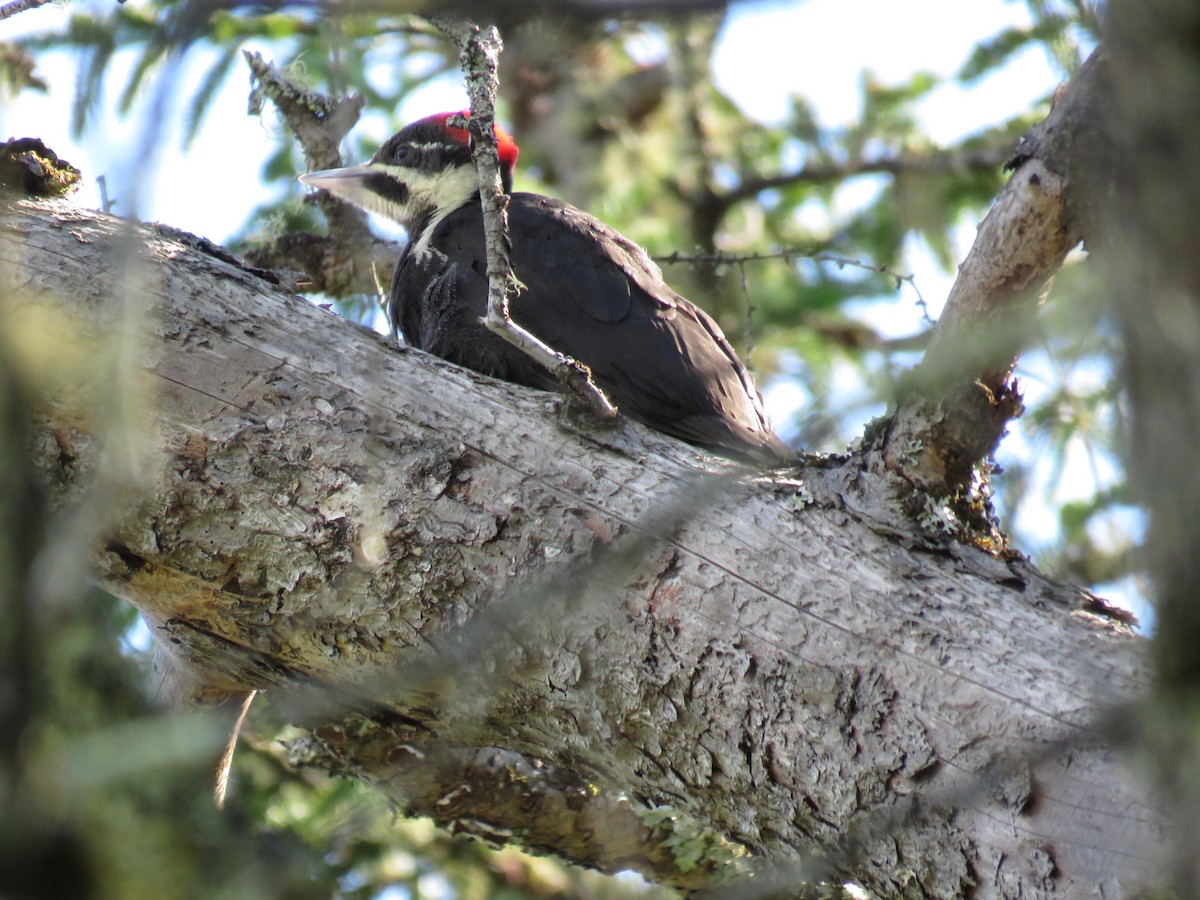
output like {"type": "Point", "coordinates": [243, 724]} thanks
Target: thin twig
{"type": "Point", "coordinates": [937, 163]}
{"type": "Point", "coordinates": [720, 257]}
{"type": "Point", "coordinates": [221, 781]}
{"type": "Point", "coordinates": [479, 56]}
{"type": "Point", "coordinates": [106, 203]}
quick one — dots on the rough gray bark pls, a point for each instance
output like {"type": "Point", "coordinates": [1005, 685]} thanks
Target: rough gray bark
{"type": "Point", "coordinates": [786, 663]}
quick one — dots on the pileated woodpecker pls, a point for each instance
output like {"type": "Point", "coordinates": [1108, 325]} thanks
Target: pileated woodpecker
{"type": "Point", "coordinates": [588, 292]}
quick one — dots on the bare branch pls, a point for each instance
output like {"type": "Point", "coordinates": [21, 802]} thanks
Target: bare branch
{"type": "Point", "coordinates": [479, 55]}
{"type": "Point", "coordinates": [720, 257]}
{"type": "Point", "coordinates": [19, 6]}
{"type": "Point", "coordinates": [332, 265]}
{"type": "Point", "coordinates": [355, 260]}
{"type": "Point", "coordinates": [956, 405]}
{"type": "Point", "coordinates": [318, 121]}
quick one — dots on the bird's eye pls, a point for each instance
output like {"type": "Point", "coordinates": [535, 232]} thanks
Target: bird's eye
{"type": "Point", "coordinates": [405, 154]}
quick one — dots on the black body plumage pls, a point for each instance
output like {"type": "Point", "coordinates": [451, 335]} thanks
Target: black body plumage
{"type": "Point", "coordinates": [588, 293]}
{"type": "Point", "coordinates": [597, 297]}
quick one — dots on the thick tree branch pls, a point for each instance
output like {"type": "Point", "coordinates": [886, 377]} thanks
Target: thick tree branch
{"type": "Point", "coordinates": [792, 667]}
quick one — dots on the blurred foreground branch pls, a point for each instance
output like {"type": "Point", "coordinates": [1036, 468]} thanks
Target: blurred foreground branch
{"type": "Point", "coordinates": [1145, 196]}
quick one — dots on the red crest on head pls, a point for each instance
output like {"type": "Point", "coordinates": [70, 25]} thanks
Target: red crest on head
{"type": "Point", "coordinates": [506, 147]}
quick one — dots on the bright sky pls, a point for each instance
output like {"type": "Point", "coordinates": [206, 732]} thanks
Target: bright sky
{"type": "Point", "coordinates": [767, 52]}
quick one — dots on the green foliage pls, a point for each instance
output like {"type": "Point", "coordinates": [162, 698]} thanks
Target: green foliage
{"type": "Point", "coordinates": [356, 841]}
{"type": "Point", "coordinates": [17, 71]}
{"type": "Point", "coordinates": [999, 49]}
{"type": "Point", "coordinates": [691, 846]}
{"type": "Point", "coordinates": [107, 798]}
{"type": "Point", "coordinates": [1074, 419]}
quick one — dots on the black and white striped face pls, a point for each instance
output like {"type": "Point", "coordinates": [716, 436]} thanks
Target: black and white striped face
{"type": "Point", "coordinates": [426, 146]}
{"type": "Point", "coordinates": [421, 174]}
{"type": "Point", "coordinates": [408, 180]}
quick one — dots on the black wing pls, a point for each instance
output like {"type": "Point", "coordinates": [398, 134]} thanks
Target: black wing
{"type": "Point", "coordinates": [595, 296]}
